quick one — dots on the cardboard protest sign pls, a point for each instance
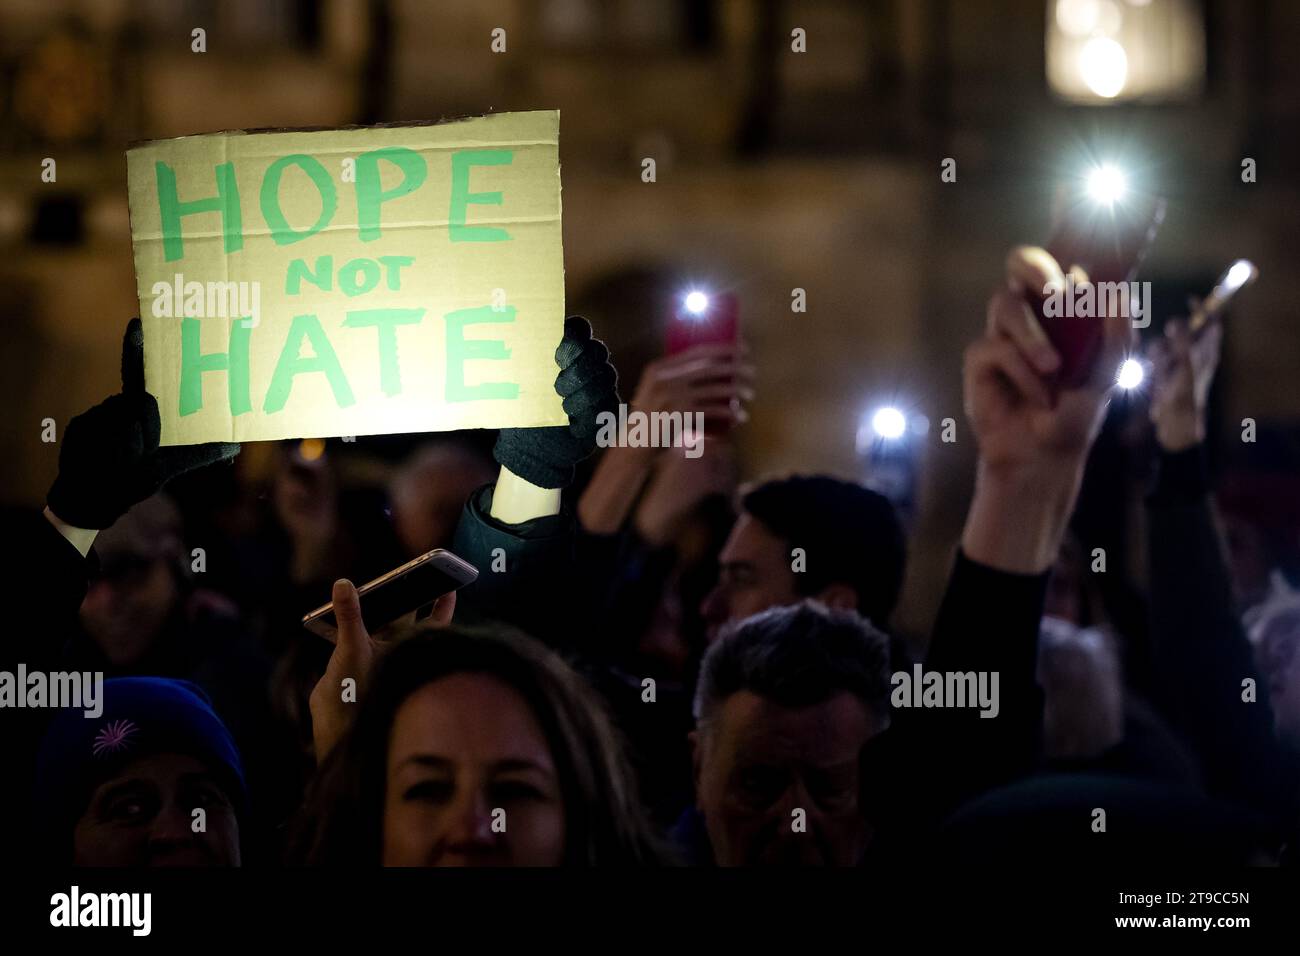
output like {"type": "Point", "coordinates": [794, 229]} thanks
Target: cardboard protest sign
{"type": "Point", "coordinates": [351, 282]}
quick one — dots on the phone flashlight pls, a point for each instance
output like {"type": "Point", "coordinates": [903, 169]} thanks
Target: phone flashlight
{"type": "Point", "coordinates": [1131, 374]}
{"type": "Point", "coordinates": [888, 423]}
{"type": "Point", "coordinates": [703, 318]}
{"type": "Point", "coordinates": [1107, 184]}
{"type": "Point", "coordinates": [890, 458]}
{"type": "Point", "coordinates": [1104, 227]}
{"type": "Point", "coordinates": [1237, 276]}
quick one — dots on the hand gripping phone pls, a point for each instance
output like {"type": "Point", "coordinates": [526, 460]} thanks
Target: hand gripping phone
{"type": "Point", "coordinates": [416, 584]}
{"type": "Point", "coordinates": [1107, 236]}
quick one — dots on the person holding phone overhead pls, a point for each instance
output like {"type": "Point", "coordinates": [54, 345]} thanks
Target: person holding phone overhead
{"type": "Point", "coordinates": [480, 747]}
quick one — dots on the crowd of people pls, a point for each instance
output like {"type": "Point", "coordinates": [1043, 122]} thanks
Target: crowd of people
{"type": "Point", "coordinates": [657, 664]}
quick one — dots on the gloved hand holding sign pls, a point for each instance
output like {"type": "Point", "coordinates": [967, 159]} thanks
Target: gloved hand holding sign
{"type": "Point", "coordinates": [588, 383]}
{"type": "Point", "coordinates": [110, 459]}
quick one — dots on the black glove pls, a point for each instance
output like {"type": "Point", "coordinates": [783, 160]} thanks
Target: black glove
{"type": "Point", "coordinates": [109, 458]}
{"type": "Point", "coordinates": [589, 385]}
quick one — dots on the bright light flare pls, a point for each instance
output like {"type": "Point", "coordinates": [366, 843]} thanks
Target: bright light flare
{"type": "Point", "coordinates": [1103, 67]}
{"type": "Point", "coordinates": [889, 423]}
{"type": "Point", "coordinates": [1078, 17]}
{"type": "Point", "coordinates": [1131, 375]}
{"type": "Point", "coordinates": [697, 303]}
{"type": "Point", "coordinates": [1241, 272]}
{"type": "Point", "coordinates": [1107, 184]}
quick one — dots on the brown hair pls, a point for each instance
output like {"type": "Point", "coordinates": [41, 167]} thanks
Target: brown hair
{"type": "Point", "coordinates": [604, 824]}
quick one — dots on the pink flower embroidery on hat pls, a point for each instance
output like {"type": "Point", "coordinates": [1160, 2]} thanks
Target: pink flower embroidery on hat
{"type": "Point", "coordinates": [113, 737]}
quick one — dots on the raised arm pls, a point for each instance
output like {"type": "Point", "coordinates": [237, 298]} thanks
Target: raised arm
{"type": "Point", "coordinates": [516, 531]}
{"type": "Point", "coordinates": [1203, 659]}
{"type": "Point", "coordinates": [1033, 442]}
{"type": "Point", "coordinates": [715, 380]}
{"type": "Point", "coordinates": [109, 459]}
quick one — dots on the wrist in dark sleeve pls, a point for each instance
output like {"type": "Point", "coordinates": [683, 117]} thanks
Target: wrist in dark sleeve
{"type": "Point", "coordinates": [65, 570]}
{"type": "Point", "coordinates": [45, 580]}
{"type": "Point", "coordinates": [1180, 477]}
{"type": "Point", "coordinates": [478, 509]}
{"type": "Point", "coordinates": [979, 597]}
{"type": "Point", "coordinates": [526, 570]}
{"type": "Point", "coordinates": [64, 554]}
{"type": "Point", "coordinates": [482, 539]}
{"type": "Point", "coordinates": [989, 621]}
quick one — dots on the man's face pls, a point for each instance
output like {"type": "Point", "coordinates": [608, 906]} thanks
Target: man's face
{"type": "Point", "coordinates": [753, 575]}
{"type": "Point", "coordinates": [1248, 561]}
{"type": "Point", "coordinates": [759, 762]}
{"type": "Point", "coordinates": [145, 816]}
{"type": "Point", "coordinates": [429, 495]}
{"type": "Point", "coordinates": [126, 609]}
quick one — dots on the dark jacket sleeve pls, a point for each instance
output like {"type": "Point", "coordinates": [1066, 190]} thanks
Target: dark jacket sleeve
{"type": "Point", "coordinates": [1201, 652]}
{"type": "Point", "coordinates": [934, 759]}
{"type": "Point", "coordinates": [990, 621]}
{"type": "Point", "coordinates": [528, 574]}
{"type": "Point", "coordinates": [44, 581]}
{"type": "Point", "coordinates": [43, 585]}
{"type": "Point", "coordinates": [627, 586]}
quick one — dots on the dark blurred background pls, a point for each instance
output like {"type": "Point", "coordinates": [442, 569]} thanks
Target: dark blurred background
{"type": "Point", "coordinates": [776, 170]}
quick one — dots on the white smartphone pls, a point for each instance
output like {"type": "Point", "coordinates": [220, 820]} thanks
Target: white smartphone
{"type": "Point", "coordinates": [1235, 278]}
{"type": "Point", "coordinates": [416, 584]}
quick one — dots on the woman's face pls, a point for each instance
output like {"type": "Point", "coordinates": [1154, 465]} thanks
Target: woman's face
{"type": "Point", "coordinates": [470, 780]}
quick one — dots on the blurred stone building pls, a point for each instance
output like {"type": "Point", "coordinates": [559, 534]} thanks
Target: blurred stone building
{"type": "Point", "coordinates": [777, 169]}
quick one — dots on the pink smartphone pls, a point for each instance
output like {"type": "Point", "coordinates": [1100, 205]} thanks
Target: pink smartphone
{"type": "Point", "coordinates": [703, 319]}
{"type": "Point", "coordinates": [1108, 243]}
{"type": "Point", "coordinates": [417, 583]}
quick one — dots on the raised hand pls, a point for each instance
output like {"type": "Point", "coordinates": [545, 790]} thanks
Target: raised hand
{"type": "Point", "coordinates": [110, 457]}
{"type": "Point", "coordinates": [716, 379]}
{"type": "Point", "coordinates": [353, 657]}
{"type": "Point", "coordinates": [545, 457]}
{"type": "Point", "coordinates": [1009, 399]}
{"type": "Point", "coordinates": [1033, 441]}
{"type": "Point", "coordinates": [1183, 366]}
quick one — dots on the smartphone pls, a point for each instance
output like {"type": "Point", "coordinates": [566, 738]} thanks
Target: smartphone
{"type": "Point", "coordinates": [417, 583]}
{"type": "Point", "coordinates": [1235, 278]}
{"type": "Point", "coordinates": [703, 319]}
{"type": "Point", "coordinates": [1108, 241]}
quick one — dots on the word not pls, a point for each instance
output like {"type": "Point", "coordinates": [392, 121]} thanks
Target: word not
{"type": "Point", "coordinates": [954, 689]}
{"type": "Point", "coordinates": [1090, 300]}
{"type": "Point", "coordinates": [200, 300]}
{"type": "Point", "coordinates": [103, 909]}
{"type": "Point", "coordinates": [56, 689]}
{"type": "Point", "coordinates": [355, 276]}
{"type": "Point", "coordinates": [638, 429]}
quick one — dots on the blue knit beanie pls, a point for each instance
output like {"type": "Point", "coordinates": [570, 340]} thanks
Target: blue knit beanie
{"type": "Point", "coordinates": [141, 716]}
